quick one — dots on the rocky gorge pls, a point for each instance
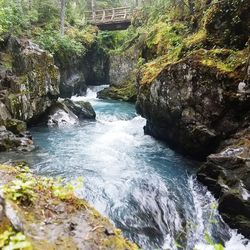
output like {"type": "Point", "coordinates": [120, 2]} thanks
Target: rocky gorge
{"type": "Point", "coordinates": [195, 98]}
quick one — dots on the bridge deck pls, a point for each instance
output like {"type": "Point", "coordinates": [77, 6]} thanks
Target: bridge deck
{"type": "Point", "coordinates": [110, 19]}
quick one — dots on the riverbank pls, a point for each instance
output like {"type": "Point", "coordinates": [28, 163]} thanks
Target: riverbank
{"type": "Point", "coordinates": [45, 213]}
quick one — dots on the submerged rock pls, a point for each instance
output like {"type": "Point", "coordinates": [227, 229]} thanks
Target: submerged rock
{"type": "Point", "coordinates": [66, 112]}
{"type": "Point", "coordinates": [50, 216]}
{"type": "Point", "coordinates": [82, 109]}
{"type": "Point", "coordinates": [59, 115]}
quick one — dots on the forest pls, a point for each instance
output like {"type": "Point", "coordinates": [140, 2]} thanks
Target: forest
{"type": "Point", "coordinates": [125, 124]}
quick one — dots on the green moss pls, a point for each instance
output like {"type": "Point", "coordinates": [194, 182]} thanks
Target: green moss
{"type": "Point", "coordinates": [117, 242]}
{"type": "Point", "coordinates": [151, 70]}
{"type": "Point", "coordinates": [6, 60]}
{"type": "Point", "coordinates": [15, 126]}
{"type": "Point", "coordinates": [224, 60]}
{"type": "Point", "coordinates": [165, 37]}
{"type": "Point", "coordinates": [7, 168]}
{"type": "Point", "coordinates": [196, 39]}
{"type": "Point", "coordinates": [126, 92]}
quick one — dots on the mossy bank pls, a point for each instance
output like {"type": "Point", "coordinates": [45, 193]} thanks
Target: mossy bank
{"type": "Point", "coordinates": [39, 212]}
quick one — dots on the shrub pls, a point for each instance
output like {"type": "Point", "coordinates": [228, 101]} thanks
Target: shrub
{"type": "Point", "coordinates": [10, 240]}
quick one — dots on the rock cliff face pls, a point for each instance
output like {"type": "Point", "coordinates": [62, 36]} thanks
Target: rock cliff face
{"type": "Point", "coordinates": [121, 68]}
{"type": "Point", "coordinates": [200, 109]}
{"type": "Point", "coordinates": [193, 104]}
{"type": "Point", "coordinates": [122, 75]}
{"type": "Point", "coordinates": [29, 80]}
{"type": "Point", "coordinates": [79, 71]}
{"type": "Point", "coordinates": [29, 85]}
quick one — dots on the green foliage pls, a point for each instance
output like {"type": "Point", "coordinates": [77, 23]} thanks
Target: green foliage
{"type": "Point", "coordinates": [225, 60]}
{"type": "Point", "coordinates": [115, 40]}
{"type": "Point", "coordinates": [164, 37]}
{"type": "Point", "coordinates": [21, 189]}
{"type": "Point", "coordinates": [108, 39]}
{"type": "Point", "coordinates": [11, 240]}
{"type": "Point", "coordinates": [48, 10]}
{"type": "Point", "coordinates": [65, 192]}
{"type": "Point", "coordinates": [25, 188]}
{"type": "Point", "coordinates": [11, 17]}
{"type": "Point", "coordinates": [62, 45]}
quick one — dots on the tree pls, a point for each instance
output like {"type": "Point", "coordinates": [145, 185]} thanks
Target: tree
{"type": "Point", "coordinates": [62, 16]}
{"type": "Point", "coordinates": [93, 8]}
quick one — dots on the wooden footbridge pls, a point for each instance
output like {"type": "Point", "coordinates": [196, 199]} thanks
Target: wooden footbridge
{"type": "Point", "coordinates": [110, 19]}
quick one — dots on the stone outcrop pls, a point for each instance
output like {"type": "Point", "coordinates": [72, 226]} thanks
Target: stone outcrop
{"type": "Point", "coordinates": [77, 72]}
{"type": "Point", "coordinates": [29, 80]}
{"type": "Point", "coordinates": [227, 175]}
{"type": "Point", "coordinates": [122, 75]}
{"type": "Point", "coordinates": [194, 104]}
{"type": "Point", "coordinates": [82, 109]}
{"type": "Point", "coordinates": [65, 112]}
{"type": "Point", "coordinates": [50, 216]}
{"type": "Point", "coordinates": [126, 92]}
{"type": "Point", "coordinates": [29, 85]}
{"type": "Point", "coordinates": [21, 141]}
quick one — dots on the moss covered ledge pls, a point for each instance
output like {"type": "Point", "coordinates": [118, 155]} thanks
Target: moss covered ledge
{"type": "Point", "coordinates": [42, 213]}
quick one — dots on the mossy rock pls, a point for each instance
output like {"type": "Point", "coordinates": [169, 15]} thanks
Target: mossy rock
{"type": "Point", "coordinates": [32, 83]}
{"type": "Point", "coordinates": [15, 126]}
{"type": "Point", "coordinates": [83, 110]}
{"type": "Point", "coordinates": [228, 23]}
{"type": "Point", "coordinates": [8, 140]}
{"type": "Point", "coordinates": [126, 92]}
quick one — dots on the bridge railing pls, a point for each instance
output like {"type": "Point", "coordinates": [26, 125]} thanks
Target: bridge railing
{"type": "Point", "coordinates": [109, 15]}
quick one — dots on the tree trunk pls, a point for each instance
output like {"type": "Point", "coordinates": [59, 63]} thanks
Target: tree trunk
{"type": "Point", "coordinates": [30, 4]}
{"type": "Point", "coordinates": [93, 8]}
{"type": "Point", "coordinates": [191, 6]}
{"type": "Point", "coordinates": [62, 16]}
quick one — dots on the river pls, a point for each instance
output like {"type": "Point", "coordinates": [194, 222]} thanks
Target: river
{"type": "Point", "coordinates": [148, 191]}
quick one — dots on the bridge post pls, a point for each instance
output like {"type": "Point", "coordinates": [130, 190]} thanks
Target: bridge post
{"type": "Point", "coordinates": [113, 14]}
